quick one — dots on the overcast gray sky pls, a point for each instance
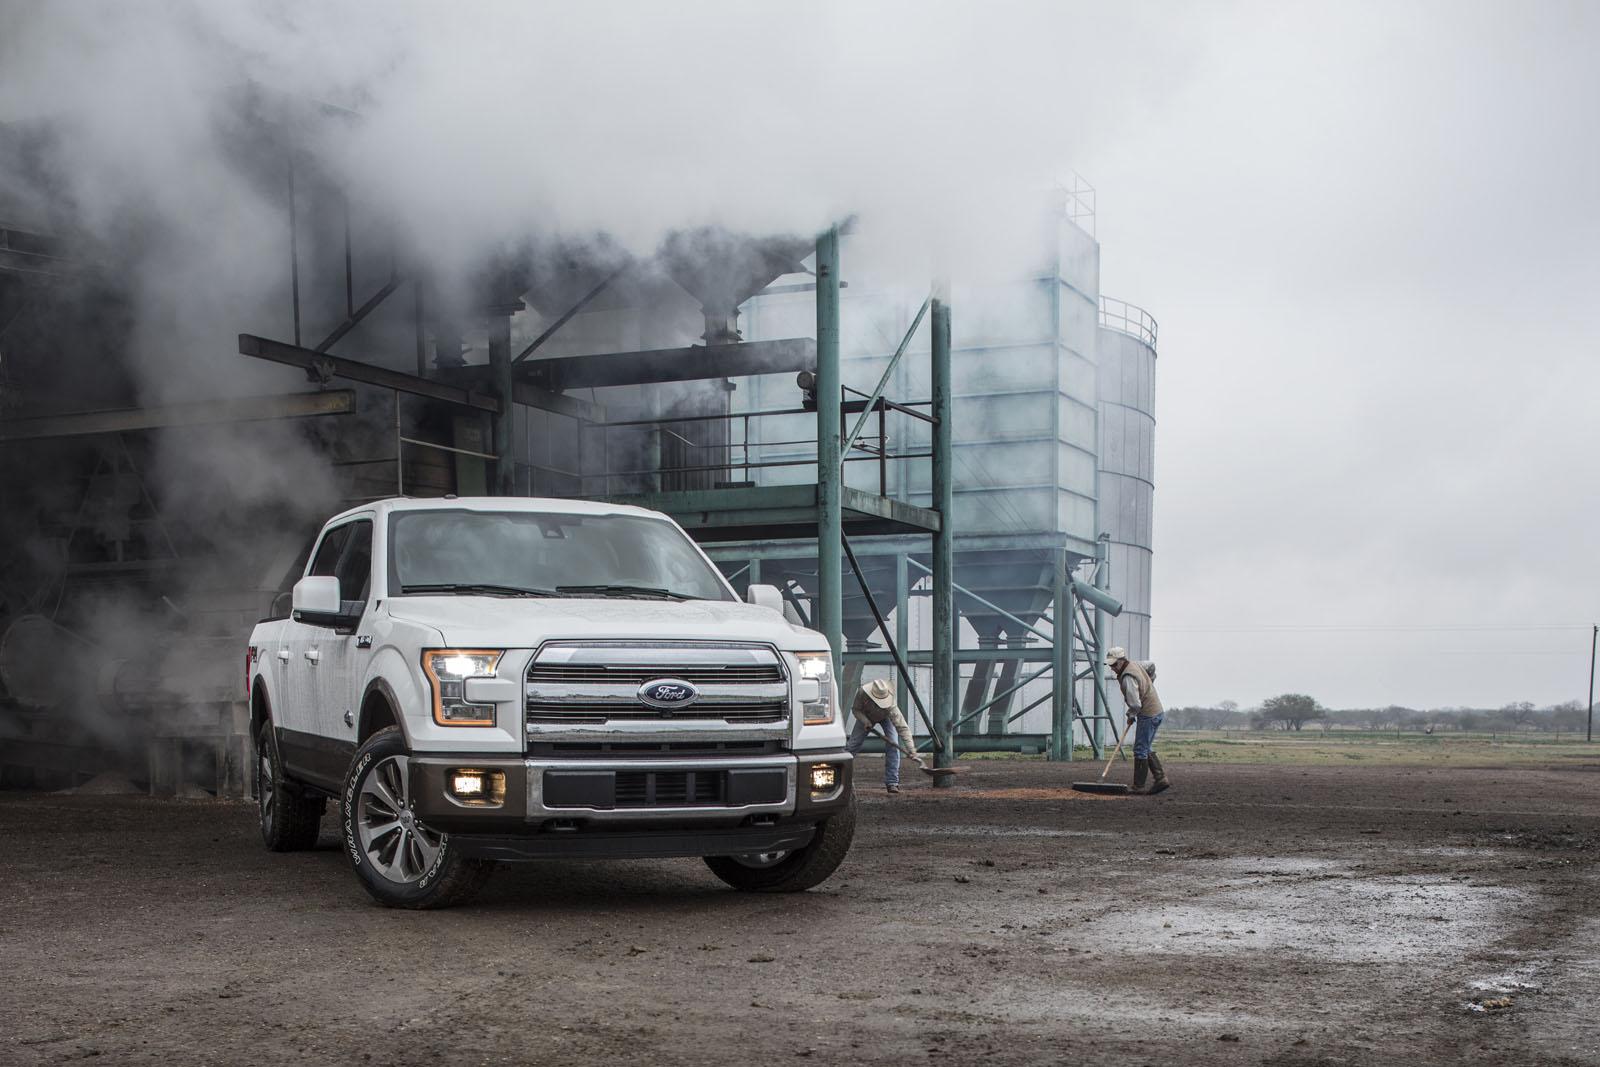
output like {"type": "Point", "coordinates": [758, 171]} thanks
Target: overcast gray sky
{"type": "Point", "coordinates": [1371, 235]}
{"type": "Point", "coordinates": [1368, 230]}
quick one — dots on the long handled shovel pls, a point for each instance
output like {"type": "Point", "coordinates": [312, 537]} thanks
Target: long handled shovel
{"type": "Point", "coordinates": [931, 772]}
{"type": "Point", "coordinates": [1100, 785]}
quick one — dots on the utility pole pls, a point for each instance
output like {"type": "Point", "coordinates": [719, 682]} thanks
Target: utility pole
{"type": "Point", "coordinates": [1594, 639]}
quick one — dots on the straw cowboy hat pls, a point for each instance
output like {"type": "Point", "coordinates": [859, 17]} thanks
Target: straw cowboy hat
{"type": "Point", "coordinates": [880, 693]}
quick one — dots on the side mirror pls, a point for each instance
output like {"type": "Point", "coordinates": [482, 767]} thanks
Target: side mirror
{"type": "Point", "coordinates": [316, 602]}
{"type": "Point", "coordinates": [765, 596]}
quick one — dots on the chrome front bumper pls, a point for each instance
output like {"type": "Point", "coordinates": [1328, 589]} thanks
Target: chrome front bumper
{"type": "Point", "coordinates": [551, 794]}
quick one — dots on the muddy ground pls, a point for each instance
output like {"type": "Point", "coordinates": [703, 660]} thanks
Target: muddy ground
{"type": "Point", "coordinates": [1252, 915]}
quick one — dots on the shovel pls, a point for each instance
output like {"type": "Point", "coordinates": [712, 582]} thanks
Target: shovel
{"type": "Point", "coordinates": [931, 772]}
{"type": "Point", "coordinates": [1100, 785]}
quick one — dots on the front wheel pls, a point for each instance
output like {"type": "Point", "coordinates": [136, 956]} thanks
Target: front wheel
{"type": "Point", "coordinates": [400, 860]}
{"type": "Point", "coordinates": [796, 871]}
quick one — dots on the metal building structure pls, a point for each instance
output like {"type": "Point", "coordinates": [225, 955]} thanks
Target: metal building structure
{"type": "Point", "coordinates": [918, 470]}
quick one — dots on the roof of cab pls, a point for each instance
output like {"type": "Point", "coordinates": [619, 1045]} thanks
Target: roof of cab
{"type": "Point", "coordinates": [535, 504]}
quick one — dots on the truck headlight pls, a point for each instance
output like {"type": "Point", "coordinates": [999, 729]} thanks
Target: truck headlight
{"type": "Point", "coordinates": [448, 669]}
{"type": "Point", "coordinates": [817, 668]}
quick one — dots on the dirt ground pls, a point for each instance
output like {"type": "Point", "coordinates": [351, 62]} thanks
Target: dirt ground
{"type": "Point", "coordinates": [1254, 914]}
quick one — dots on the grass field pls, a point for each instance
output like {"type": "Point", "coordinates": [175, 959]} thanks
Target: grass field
{"type": "Point", "coordinates": [1369, 748]}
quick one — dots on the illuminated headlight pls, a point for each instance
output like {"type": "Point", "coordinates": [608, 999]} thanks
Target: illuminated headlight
{"type": "Point", "coordinates": [448, 669]}
{"type": "Point", "coordinates": [816, 688]}
{"type": "Point", "coordinates": [479, 788]}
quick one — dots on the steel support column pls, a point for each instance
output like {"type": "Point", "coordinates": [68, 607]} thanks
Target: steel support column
{"type": "Point", "coordinates": [944, 620]}
{"type": "Point", "coordinates": [1102, 581]}
{"type": "Point", "coordinates": [1061, 665]}
{"type": "Point", "coordinates": [902, 618]}
{"type": "Point", "coordinates": [505, 468]}
{"type": "Point", "coordinates": [830, 468]}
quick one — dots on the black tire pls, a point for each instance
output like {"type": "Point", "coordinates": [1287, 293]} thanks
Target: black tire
{"type": "Point", "coordinates": [431, 873]}
{"type": "Point", "coordinates": [290, 818]}
{"type": "Point", "coordinates": [801, 869]}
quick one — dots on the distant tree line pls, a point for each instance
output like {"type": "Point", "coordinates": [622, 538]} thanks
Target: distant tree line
{"type": "Point", "coordinates": [1296, 711]}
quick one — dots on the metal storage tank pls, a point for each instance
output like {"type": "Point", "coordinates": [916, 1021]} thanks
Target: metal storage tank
{"type": "Point", "coordinates": [1127, 358]}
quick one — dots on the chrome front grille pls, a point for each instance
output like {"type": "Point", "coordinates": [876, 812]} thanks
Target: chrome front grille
{"type": "Point", "coordinates": [604, 674]}
{"type": "Point", "coordinates": [580, 684]}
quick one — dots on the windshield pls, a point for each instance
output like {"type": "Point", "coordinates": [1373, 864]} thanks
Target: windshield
{"type": "Point", "coordinates": [544, 554]}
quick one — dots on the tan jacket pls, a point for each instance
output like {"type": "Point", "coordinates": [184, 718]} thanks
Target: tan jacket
{"type": "Point", "coordinates": [1140, 696]}
{"type": "Point", "coordinates": [867, 712]}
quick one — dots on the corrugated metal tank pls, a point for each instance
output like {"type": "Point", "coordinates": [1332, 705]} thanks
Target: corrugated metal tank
{"type": "Point", "coordinates": [1127, 356]}
{"type": "Point", "coordinates": [1023, 353]}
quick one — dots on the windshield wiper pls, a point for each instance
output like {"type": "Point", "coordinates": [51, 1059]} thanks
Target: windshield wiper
{"type": "Point", "coordinates": [485, 588]}
{"type": "Point", "coordinates": [623, 591]}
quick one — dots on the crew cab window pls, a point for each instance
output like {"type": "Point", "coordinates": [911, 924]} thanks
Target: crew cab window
{"type": "Point", "coordinates": [346, 554]}
{"type": "Point", "coordinates": [431, 550]}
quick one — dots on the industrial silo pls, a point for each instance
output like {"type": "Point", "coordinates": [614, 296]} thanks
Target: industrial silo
{"type": "Point", "coordinates": [1127, 359]}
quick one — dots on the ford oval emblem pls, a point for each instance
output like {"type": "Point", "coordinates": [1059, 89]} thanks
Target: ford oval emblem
{"type": "Point", "coordinates": [668, 694]}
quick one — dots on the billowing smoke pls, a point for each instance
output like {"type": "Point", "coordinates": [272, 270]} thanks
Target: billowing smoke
{"type": "Point", "coordinates": [158, 139]}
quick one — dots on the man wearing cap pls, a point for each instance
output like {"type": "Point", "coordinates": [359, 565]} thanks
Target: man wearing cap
{"type": "Point", "coordinates": [1137, 681]}
{"type": "Point", "coordinates": [874, 706]}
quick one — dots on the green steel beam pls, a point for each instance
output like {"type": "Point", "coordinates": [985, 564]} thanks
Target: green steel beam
{"type": "Point", "coordinates": [504, 386]}
{"type": "Point", "coordinates": [798, 507]}
{"type": "Point", "coordinates": [944, 613]}
{"type": "Point", "coordinates": [830, 466]}
{"type": "Point", "coordinates": [1061, 675]}
{"type": "Point", "coordinates": [902, 617]}
{"type": "Point", "coordinates": [1097, 650]}
{"type": "Point", "coordinates": [924, 657]}
{"type": "Point", "coordinates": [192, 413]}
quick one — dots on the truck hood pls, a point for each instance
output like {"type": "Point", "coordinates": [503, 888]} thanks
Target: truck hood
{"type": "Point", "coordinates": [502, 622]}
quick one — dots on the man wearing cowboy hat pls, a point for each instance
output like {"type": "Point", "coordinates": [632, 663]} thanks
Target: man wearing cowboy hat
{"type": "Point", "coordinates": [1137, 681]}
{"type": "Point", "coordinates": [875, 706]}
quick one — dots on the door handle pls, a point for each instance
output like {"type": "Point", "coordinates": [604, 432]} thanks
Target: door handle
{"type": "Point", "coordinates": [283, 654]}
{"type": "Point", "coordinates": [312, 655]}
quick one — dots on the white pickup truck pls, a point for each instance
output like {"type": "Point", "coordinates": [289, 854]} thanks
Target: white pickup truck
{"type": "Point", "coordinates": [489, 679]}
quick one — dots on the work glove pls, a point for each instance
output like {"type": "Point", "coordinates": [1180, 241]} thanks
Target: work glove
{"type": "Point", "coordinates": [1132, 715]}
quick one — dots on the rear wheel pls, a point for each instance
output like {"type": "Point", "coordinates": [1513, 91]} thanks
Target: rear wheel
{"type": "Point", "coordinates": [400, 860]}
{"type": "Point", "coordinates": [791, 872]}
{"type": "Point", "coordinates": [289, 818]}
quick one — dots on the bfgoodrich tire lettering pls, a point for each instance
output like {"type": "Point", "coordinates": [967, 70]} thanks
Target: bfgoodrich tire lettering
{"type": "Point", "coordinates": [798, 871]}
{"type": "Point", "coordinates": [400, 861]}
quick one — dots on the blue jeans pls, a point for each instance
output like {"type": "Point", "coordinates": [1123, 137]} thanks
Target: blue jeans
{"type": "Point", "coordinates": [1144, 735]}
{"type": "Point", "coordinates": [891, 751]}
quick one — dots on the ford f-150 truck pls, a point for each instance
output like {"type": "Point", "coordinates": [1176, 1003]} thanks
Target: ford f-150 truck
{"type": "Point", "coordinates": [490, 679]}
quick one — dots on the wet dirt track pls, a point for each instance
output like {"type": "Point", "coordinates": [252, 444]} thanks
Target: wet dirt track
{"type": "Point", "coordinates": [1253, 915]}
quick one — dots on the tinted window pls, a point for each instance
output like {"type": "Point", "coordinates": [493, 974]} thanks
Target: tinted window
{"type": "Point", "coordinates": [355, 569]}
{"type": "Point", "coordinates": [327, 558]}
{"type": "Point", "coordinates": [544, 551]}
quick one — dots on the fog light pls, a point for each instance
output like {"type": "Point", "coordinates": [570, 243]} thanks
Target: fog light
{"type": "Point", "coordinates": [824, 778]}
{"type": "Point", "coordinates": [476, 787]}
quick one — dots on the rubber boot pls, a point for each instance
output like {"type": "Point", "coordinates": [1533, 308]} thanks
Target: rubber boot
{"type": "Point", "coordinates": [1160, 785]}
{"type": "Point", "coordinates": [1141, 770]}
